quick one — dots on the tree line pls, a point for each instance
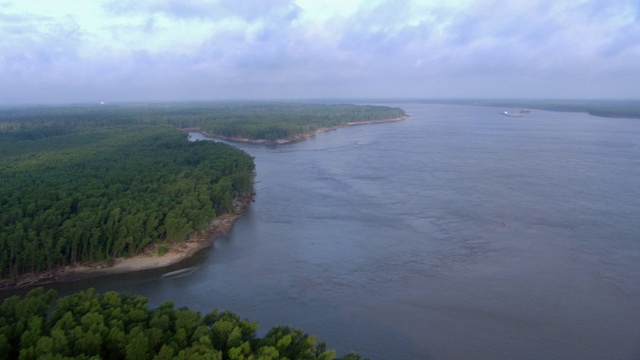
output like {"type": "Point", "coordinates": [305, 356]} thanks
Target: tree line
{"type": "Point", "coordinates": [257, 121]}
{"type": "Point", "coordinates": [602, 108]}
{"type": "Point", "coordinates": [93, 183]}
{"type": "Point", "coordinates": [100, 194]}
{"type": "Point", "coordinates": [89, 325]}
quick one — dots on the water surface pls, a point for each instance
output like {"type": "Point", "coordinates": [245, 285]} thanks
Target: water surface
{"type": "Point", "coordinates": [455, 234]}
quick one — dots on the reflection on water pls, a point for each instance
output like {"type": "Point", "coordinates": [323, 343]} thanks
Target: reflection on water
{"type": "Point", "coordinates": [455, 234]}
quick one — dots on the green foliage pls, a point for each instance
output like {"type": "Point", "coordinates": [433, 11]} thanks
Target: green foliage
{"type": "Point", "coordinates": [271, 122]}
{"type": "Point", "coordinates": [92, 183]}
{"type": "Point", "coordinates": [107, 193]}
{"type": "Point", "coordinates": [162, 249]}
{"type": "Point", "coordinates": [88, 325]}
{"type": "Point", "coordinates": [266, 121]}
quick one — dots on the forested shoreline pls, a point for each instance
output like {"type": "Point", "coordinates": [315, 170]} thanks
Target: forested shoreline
{"type": "Point", "coordinates": [90, 325]}
{"type": "Point", "coordinates": [255, 121]}
{"type": "Point", "coordinates": [99, 195]}
{"type": "Point", "coordinates": [95, 183]}
{"type": "Point", "coordinates": [602, 108]}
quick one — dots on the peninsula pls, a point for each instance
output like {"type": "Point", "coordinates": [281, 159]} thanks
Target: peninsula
{"type": "Point", "coordinates": [295, 137]}
{"type": "Point", "coordinates": [94, 190]}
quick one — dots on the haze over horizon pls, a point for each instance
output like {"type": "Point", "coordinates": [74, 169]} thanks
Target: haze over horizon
{"type": "Point", "coordinates": [184, 50]}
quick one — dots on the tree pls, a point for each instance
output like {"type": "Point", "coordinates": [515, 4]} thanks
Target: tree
{"type": "Point", "coordinates": [119, 326]}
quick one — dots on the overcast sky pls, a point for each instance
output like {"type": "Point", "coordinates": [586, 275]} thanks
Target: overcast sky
{"type": "Point", "coordinates": [71, 51]}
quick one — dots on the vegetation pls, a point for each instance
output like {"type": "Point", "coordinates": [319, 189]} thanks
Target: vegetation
{"type": "Point", "coordinates": [88, 325]}
{"type": "Point", "coordinates": [256, 121]}
{"type": "Point", "coordinates": [271, 122]}
{"type": "Point", "coordinates": [604, 108]}
{"type": "Point", "coordinates": [92, 183]}
{"type": "Point", "coordinates": [108, 193]}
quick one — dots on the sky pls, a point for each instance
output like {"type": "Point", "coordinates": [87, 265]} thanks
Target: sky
{"type": "Point", "coordinates": [73, 51]}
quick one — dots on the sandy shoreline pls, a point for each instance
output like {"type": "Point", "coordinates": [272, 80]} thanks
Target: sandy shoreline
{"type": "Point", "coordinates": [149, 259]}
{"type": "Point", "coordinates": [296, 137]}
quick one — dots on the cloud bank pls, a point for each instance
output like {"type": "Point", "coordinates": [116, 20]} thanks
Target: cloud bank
{"type": "Point", "coordinates": [165, 50]}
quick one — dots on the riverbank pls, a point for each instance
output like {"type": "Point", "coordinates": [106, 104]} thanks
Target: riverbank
{"type": "Point", "coordinates": [149, 259]}
{"type": "Point", "coordinates": [294, 138]}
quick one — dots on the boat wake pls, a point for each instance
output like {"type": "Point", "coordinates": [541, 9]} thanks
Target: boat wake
{"type": "Point", "coordinates": [179, 273]}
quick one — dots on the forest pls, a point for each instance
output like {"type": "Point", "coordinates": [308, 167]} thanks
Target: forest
{"type": "Point", "coordinates": [256, 121]}
{"type": "Point", "coordinates": [97, 195]}
{"type": "Point", "coordinates": [89, 325]}
{"type": "Point", "coordinates": [94, 183]}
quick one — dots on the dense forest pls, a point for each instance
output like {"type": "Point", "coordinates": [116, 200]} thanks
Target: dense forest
{"type": "Point", "coordinates": [98, 195]}
{"type": "Point", "coordinates": [256, 121]}
{"type": "Point", "coordinates": [93, 183]}
{"type": "Point", "coordinates": [89, 325]}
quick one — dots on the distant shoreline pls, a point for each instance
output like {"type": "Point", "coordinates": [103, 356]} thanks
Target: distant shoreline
{"type": "Point", "coordinates": [294, 138]}
{"type": "Point", "coordinates": [614, 109]}
{"type": "Point", "coordinates": [149, 259]}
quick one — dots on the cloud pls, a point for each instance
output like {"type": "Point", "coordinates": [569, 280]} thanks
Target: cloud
{"type": "Point", "coordinates": [35, 47]}
{"type": "Point", "coordinates": [169, 49]}
{"type": "Point", "coordinates": [247, 10]}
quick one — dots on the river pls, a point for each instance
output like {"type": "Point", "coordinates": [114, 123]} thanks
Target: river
{"type": "Point", "coordinates": [455, 234]}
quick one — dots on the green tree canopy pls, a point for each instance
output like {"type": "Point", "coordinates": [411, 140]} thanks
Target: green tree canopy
{"type": "Point", "coordinates": [88, 325]}
{"type": "Point", "coordinates": [92, 183]}
{"type": "Point", "coordinates": [107, 193]}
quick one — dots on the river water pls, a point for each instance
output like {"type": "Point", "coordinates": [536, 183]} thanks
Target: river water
{"type": "Point", "coordinates": [455, 234]}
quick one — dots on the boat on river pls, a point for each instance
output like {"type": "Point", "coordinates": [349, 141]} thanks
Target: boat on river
{"type": "Point", "coordinates": [506, 113]}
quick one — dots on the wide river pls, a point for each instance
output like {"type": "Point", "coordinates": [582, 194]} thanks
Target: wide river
{"type": "Point", "coordinates": [455, 234]}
